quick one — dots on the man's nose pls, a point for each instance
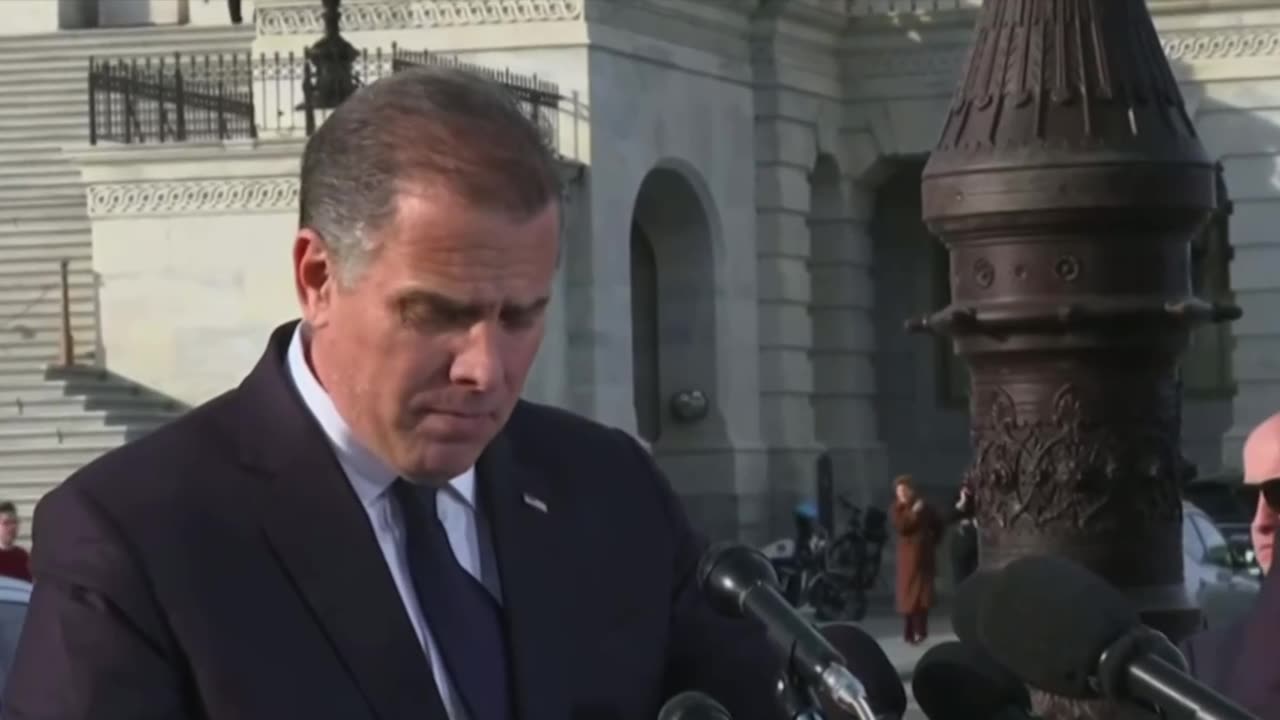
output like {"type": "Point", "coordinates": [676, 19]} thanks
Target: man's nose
{"type": "Point", "coordinates": [478, 362]}
{"type": "Point", "coordinates": [1264, 518]}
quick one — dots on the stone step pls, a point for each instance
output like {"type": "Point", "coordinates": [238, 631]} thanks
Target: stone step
{"type": "Point", "coordinates": [34, 99]}
{"type": "Point", "coordinates": [13, 84]}
{"type": "Point", "coordinates": [49, 121]}
{"type": "Point", "coordinates": [32, 133]}
{"type": "Point", "coordinates": [75, 220]}
{"type": "Point", "coordinates": [38, 170]}
{"type": "Point", "coordinates": [18, 438]}
{"type": "Point", "coordinates": [53, 240]}
{"type": "Point", "coordinates": [69, 197]}
{"type": "Point", "coordinates": [45, 304]}
{"type": "Point", "coordinates": [57, 104]}
{"type": "Point", "coordinates": [98, 40]}
{"type": "Point", "coordinates": [37, 288]}
{"type": "Point", "coordinates": [34, 470]}
{"type": "Point", "coordinates": [52, 252]}
{"type": "Point", "coordinates": [44, 330]}
{"type": "Point", "coordinates": [48, 454]}
{"type": "Point", "coordinates": [59, 209]}
{"type": "Point", "coordinates": [34, 357]}
{"type": "Point", "coordinates": [29, 341]}
{"type": "Point", "coordinates": [33, 153]}
{"type": "Point", "coordinates": [50, 397]}
{"type": "Point", "coordinates": [56, 179]}
{"type": "Point", "coordinates": [44, 417]}
{"type": "Point", "coordinates": [76, 60]}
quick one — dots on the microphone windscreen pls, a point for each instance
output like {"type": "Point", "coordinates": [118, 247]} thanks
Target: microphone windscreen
{"type": "Point", "coordinates": [693, 705]}
{"type": "Point", "coordinates": [868, 662]}
{"type": "Point", "coordinates": [954, 681]}
{"type": "Point", "coordinates": [1049, 620]}
{"type": "Point", "coordinates": [967, 604]}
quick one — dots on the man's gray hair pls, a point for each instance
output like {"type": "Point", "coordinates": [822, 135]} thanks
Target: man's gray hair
{"type": "Point", "coordinates": [424, 126]}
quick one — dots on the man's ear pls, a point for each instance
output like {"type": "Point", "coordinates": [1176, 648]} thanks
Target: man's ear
{"type": "Point", "coordinates": [314, 275]}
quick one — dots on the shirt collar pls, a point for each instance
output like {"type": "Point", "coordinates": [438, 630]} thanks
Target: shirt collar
{"type": "Point", "coordinates": [370, 477]}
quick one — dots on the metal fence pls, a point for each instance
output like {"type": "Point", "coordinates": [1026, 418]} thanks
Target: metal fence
{"type": "Point", "coordinates": [238, 96]}
{"type": "Point", "coordinates": [170, 99]}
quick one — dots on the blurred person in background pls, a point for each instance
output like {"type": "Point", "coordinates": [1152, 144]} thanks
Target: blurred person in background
{"type": "Point", "coordinates": [14, 561]}
{"type": "Point", "coordinates": [918, 528]}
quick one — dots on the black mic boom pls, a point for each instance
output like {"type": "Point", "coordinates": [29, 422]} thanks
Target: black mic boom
{"type": "Point", "coordinates": [693, 705]}
{"type": "Point", "coordinates": [739, 581]}
{"type": "Point", "coordinates": [1065, 630]}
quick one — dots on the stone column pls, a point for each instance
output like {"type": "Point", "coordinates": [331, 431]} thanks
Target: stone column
{"type": "Point", "coordinates": [785, 156]}
{"type": "Point", "coordinates": [844, 344]}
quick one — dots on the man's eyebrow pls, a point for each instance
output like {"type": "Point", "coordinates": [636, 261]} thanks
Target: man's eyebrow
{"type": "Point", "coordinates": [450, 304]}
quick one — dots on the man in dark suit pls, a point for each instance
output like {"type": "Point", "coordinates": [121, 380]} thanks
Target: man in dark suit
{"type": "Point", "coordinates": [1237, 659]}
{"type": "Point", "coordinates": [372, 525]}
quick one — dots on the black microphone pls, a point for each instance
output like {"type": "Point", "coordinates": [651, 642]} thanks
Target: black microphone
{"type": "Point", "coordinates": [868, 662]}
{"type": "Point", "coordinates": [740, 582]}
{"type": "Point", "coordinates": [1065, 630]}
{"type": "Point", "coordinates": [955, 681]}
{"type": "Point", "coordinates": [693, 705]}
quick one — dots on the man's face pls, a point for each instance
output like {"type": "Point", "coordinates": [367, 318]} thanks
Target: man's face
{"type": "Point", "coordinates": [1263, 532]}
{"type": "Point", "coordinates": [426, 352]}
{"type": "Point", "coordinates": [8, 529]}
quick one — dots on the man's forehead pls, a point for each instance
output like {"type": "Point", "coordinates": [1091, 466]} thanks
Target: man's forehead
{"type": "Point", "coordinates": [1262, 452]}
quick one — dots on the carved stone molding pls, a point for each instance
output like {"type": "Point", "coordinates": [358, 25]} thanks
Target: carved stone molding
{"type": "Point", "coordinates": [1182, 46]}
{"type": "Point", "coordinates": [1221, 44]}
{"type": "Point", "coordinates": [193, 196]}
{"type": "Point", "coordinates": [306, 19]}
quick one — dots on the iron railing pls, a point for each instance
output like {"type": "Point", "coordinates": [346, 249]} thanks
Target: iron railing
{"type": "Point", "coordinates": [171, 99]}
{"type": "Point", "coordinates": [240, 96]}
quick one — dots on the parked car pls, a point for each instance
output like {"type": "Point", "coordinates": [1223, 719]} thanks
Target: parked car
{"type": "Point", "coordinates": [14, 596]}
{"type": "Point", "coordinates": [1230, 503]}
{"type": "Point", "coordinates": [1217, 579]}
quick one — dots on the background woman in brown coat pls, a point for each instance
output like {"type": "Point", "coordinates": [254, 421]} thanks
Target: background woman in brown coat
{"type": "Point", "coordinates": [918, 529]}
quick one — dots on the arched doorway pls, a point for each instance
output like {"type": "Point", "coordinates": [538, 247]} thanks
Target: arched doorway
{"type": "Point", "coordinates": [645, 338]}
{"type": "Point", "coordinates": [674, 343]}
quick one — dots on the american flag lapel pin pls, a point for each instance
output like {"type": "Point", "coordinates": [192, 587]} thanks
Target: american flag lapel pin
{"type": "Point", "coordinates": [535, 503]}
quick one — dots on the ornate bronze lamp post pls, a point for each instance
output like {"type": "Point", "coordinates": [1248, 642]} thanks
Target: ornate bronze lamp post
{"type": "Point", "coordinates": [329, 78]}
{"type": "Point", "coordinates": [1067, 186]}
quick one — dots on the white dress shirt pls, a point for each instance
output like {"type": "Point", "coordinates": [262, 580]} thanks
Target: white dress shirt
{"type": "Point", "coordinates": [371, 479]}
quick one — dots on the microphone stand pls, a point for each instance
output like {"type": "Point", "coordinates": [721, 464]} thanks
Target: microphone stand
{"type": "Point", "coordinates": [798, 700]}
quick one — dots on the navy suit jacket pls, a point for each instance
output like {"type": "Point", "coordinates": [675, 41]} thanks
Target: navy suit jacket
{"type": "Point", "coordinates": [1242, 660]}
{"type": "Point", "coordinates": [222, 567]}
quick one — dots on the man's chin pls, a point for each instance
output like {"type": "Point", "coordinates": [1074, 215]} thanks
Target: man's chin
{"type": "Point", "coordinates": [441, 462]}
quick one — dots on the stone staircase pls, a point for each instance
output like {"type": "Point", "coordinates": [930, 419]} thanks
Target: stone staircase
{"type": "Point", "coordinates": [53, 420]}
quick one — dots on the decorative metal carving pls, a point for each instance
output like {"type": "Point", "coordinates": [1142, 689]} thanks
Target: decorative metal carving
{"type": "Point", "coordinates": [1070, 179]}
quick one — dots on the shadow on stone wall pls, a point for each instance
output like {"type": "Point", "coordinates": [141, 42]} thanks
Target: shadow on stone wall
{"type": "Point", "coordinates": [124, 403]}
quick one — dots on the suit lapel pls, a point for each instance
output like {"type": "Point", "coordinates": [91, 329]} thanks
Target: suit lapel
{"type": "Point", "coordinates": [321, 535]}
{"type": "Point", "coordinates": [532, 564]}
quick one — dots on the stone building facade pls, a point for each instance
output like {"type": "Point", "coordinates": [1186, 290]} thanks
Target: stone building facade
{"type": "Point", "coordinates": [744, 222]}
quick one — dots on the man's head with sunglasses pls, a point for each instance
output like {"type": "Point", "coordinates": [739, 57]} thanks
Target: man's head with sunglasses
{"type": "Point", "coordinates": [1262, 470]}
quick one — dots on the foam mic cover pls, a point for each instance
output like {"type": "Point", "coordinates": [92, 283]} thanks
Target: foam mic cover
{"type": "Point", "coordinates": [955, 681]}
{"type": "Point", "coordinates": [867, 660]}
{"type": "Point", "coordinates": [966, 606]}
{"type": "Point", "coordinates": [693, 705]}
{"type": "Point", "coordinates": [1050, 620]}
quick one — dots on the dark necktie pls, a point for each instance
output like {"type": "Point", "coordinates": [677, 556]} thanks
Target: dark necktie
{"type": "Point", "coordinates": [465, 619]}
